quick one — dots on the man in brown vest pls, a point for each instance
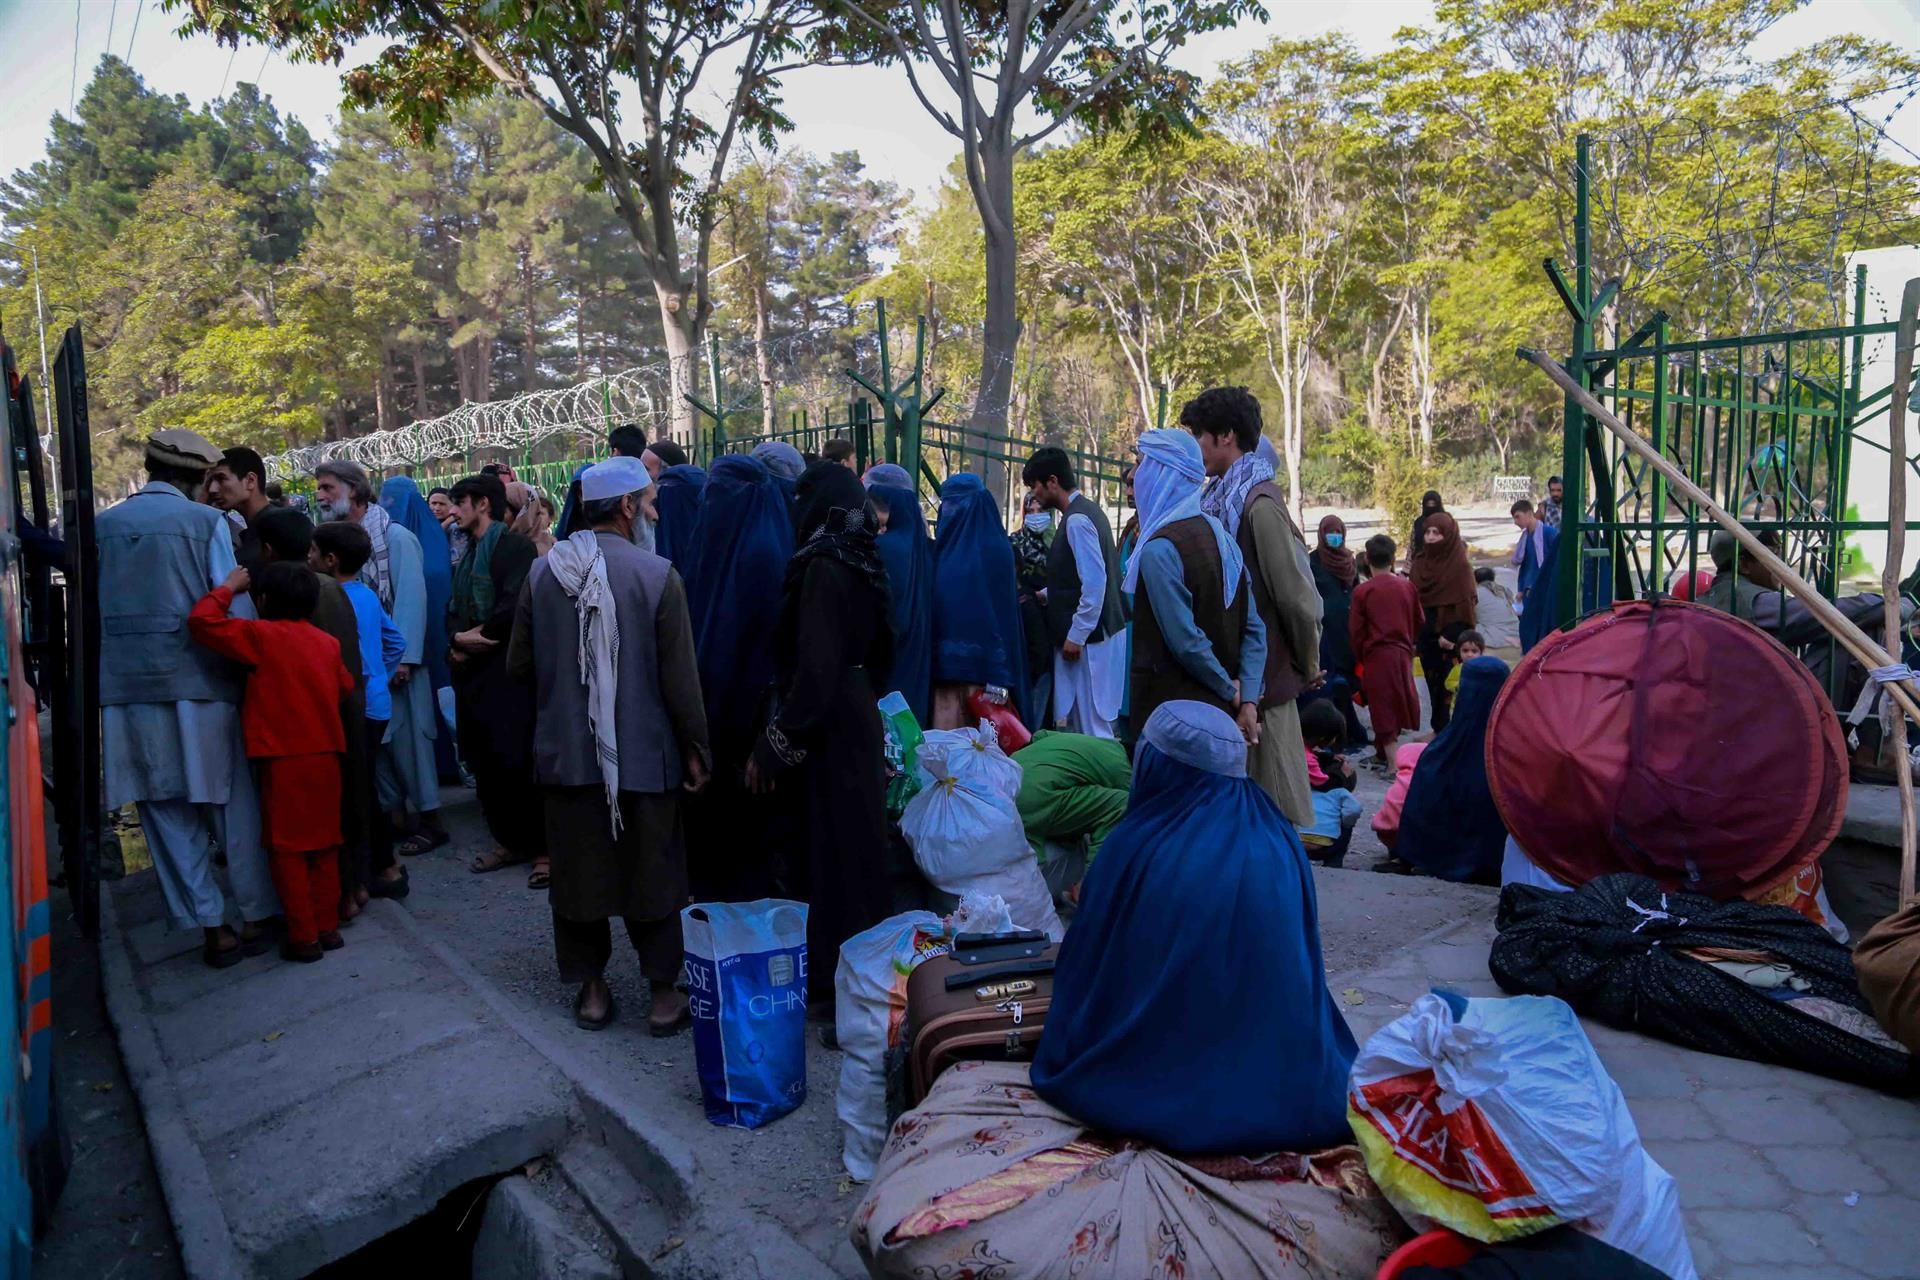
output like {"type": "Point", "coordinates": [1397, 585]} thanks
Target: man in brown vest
{"type": "Point", "coordinates": [1225, 421]}
{"type": "Point", "coordinates": [1194, 635]}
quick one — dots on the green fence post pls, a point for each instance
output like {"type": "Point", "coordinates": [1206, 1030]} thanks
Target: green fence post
{"type": "Point", "coordinates": [1579, 302]}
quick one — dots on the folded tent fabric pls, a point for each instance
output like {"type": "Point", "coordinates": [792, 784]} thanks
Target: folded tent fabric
{"type": "Point", "coordinates": [1200, 908]}
{"type": "Point", "coordinates": [1614, 950]}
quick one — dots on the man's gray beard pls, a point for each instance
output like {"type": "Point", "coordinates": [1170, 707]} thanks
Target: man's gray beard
{"type": "Point", "coordinates": [332, 511]}
{"type": "Point", "coordinates": [643, 533]}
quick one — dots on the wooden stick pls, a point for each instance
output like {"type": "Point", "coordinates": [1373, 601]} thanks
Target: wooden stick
{"type": "Point", "coordinates": [1896, 554]}
{"type": "Point", "coordinates": [1856, 641]}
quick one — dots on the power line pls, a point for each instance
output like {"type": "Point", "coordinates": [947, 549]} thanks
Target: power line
{"type": "Point", "coordinates": [264, 59]}
{"type": "Point", "coordinates": [229, 71]}
{"type": "Point", "coordinates": [139, 5]}
{"type": "Point", "coordinates": [112, 13]}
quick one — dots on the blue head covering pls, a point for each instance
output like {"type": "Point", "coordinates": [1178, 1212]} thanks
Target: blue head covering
{"type": "Point", "coordinates": [1196, 958]}
{"type": "Point", "coordinates": [890, 474]}
{"type": "Point", "coordinates": [400, 499]}
{"type": "Point", "coordinates": [976, 600]}
{"type": "Point", "coordinates": [1166, 488]}
{"type": "Point", "coordinates": [677, 503]}
{"type": "Point", "coordinates": [741, 543]}
{"type": "Point", "coordinates": [1449, 826]}
{"type": "Point", "coordinates": [908, 554]}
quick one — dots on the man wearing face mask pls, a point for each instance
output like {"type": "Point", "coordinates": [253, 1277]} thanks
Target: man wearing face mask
{"type": "Point", "coordinates": [1085, 617]}
{"type": "Point", "coordinates": [603, 633]}
{"type": "Point", "coordinates": [1335, 573]}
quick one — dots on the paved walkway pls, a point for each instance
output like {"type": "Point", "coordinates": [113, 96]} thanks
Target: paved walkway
{"type": "Point", "coordinates": [1781, 1174]}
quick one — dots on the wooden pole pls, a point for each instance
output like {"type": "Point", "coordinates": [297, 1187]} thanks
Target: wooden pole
{"type": "Point", "coordinates": [1896, 556]}
{"type": "Point", "coordinates": [1857, 642]}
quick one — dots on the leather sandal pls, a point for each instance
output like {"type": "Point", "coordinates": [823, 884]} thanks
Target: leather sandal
{"type": "Point", "coordinates": [582, 1021]}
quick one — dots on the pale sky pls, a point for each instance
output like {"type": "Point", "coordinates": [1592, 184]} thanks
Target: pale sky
{"type": "Point", "coordinates": [870, 110]}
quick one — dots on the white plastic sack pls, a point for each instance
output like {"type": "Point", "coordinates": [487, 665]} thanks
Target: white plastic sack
{"type": "Point", "coordinates": [1495, 1118]}
{"type": "Point", "coordinates": [981, 913]}
{"type": "Point", "coordinates": [965, 838]}
{"type": "Point", "coordinates": [746, 977]}
{"type": "Point", "coordinates": [973, 756]}
{"type": "Point", "coordinates": [870, 989]}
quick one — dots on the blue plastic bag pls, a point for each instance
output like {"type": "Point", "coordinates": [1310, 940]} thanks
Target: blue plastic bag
{"type": "Point", "coordinates": [746, 976]}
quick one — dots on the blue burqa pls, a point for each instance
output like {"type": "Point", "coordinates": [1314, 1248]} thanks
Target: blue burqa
{"type": "Point", "coordinates": [1536, 579]}
{"type": "Point", "coordinates": [742, 543]}
{"type": "Point", "coordinates": [677, 503]}
{"type": "Point", "coordinates": [976, 599]}
{"type": "Point", "coordinates": [1449, 826]}
{"type": "Point", "coordinates": [1190, 1009]}
{"type": "Point", "coordinates": [908, 554]}
{"type": "Point", "coordinates": [400, 499]}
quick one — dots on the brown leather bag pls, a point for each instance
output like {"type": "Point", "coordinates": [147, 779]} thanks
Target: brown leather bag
{"type": "Point", "coordinates": [989, 1012]}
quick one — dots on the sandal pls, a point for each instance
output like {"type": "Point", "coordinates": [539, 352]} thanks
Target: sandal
{"type": "Point", "coordinates": [601, 1023]}
{"type": "Point", "coordinates": [219, 957]}
{"type": "Point", "coordinates": [542, 875]}
{"type": "Point", "coordinates": [493, 860]}
{"type": "Point", "coordinates": [394, 889]}
{"type": "Point", "coordinates": [422, 842]}
{"type": "Point", "coordinates": [257, 943]}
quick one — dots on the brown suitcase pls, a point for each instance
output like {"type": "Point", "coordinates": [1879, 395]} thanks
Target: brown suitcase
{"type": "Point", "coordinates": [991, 1012]}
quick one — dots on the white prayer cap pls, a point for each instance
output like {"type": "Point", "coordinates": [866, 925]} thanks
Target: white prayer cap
{"type": "Point", "coordinates": [1200, 735]}
{"type": "Point", "coordinates": [614, 478]}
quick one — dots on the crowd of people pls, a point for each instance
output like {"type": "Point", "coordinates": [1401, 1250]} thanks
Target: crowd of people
{"type": "Point", "coordinates": [654, 679]}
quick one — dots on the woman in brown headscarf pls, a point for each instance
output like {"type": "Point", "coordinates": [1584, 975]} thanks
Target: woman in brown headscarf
{"type": "Point", "coordinates": [1444, 579]}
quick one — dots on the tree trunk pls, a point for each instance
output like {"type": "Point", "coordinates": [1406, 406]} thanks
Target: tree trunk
{"type": "Point", "coordinates": [1002, 337]}
{"type": "Point", "coordinates": [420, 382]}
{"type": "Point", "coordinates": [530, 354]}
{"type": "Point", "coordinates": [762, 358]}
{"type": "Point", "coordinates": [580, 329]}
{"type": "Point", "coordinates": [682, 331]}
{"type": "Point", "coordinates": [382, 382]}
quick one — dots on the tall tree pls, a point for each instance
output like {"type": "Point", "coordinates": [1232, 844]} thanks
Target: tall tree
{"type": "Point", "coordinates": [662, 169]}
{"type": "Point", "coordinates": [1094, 61]}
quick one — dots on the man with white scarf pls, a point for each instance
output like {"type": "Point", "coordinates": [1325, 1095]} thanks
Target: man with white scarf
{"type": "Point", "coordinates": [603, 633]}
{"type": "Point", "coordinates": [1196, 635]}
{"type": "Point", "coordinates": [1243, 497]}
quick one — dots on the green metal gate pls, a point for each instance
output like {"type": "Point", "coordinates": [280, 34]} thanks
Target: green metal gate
{"type": "Point", "coordinates": [1765, 423]}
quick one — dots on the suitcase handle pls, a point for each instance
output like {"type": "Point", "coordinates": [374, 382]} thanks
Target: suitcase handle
{"type": "Point", "coordinates": [1025, 969]}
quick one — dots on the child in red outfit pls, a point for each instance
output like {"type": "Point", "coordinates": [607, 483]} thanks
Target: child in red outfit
{"type": "Point", "coordinates": [291, 720]}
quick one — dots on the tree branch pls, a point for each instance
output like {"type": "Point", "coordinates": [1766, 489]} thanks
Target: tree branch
{"type": "Point", "coordinates": [942, 118]}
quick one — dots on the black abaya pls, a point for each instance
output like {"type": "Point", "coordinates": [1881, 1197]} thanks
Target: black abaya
{"type": "Point", "coordinates": [825, 751]}
{"type": "Point", "coordinates": [495, 714]}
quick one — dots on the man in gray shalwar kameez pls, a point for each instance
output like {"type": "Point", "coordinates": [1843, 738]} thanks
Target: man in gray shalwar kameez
{"type": "Point", "coordinates": [603, 631]}
{"type": "Point", "coordinates": [170, 710]}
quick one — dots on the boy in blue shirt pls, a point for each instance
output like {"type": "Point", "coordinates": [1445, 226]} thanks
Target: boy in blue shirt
{"type": "Point", "coordinates": [341, 548]}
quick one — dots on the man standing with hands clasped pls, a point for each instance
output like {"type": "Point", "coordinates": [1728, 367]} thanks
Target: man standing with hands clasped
{"type": "Point", "coordinates": [620, 730]}
{"type": "Point", "coordinates": [1085, 617]}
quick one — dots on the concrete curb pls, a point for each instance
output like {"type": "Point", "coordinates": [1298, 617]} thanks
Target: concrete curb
{"type": "Point", "coordinates": [205, 1237]}
{"type": "Point", "coordinates": [665, 1167]}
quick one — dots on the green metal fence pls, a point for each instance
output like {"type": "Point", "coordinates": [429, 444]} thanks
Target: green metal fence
{"type": "Point", "coordinates": [1765, 423]}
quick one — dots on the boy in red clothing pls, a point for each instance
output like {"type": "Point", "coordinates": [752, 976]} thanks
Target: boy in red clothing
{"type": "Point", "coordinates": [291, 720]}
{"type": "Point", "coordinates": [1383, 621]}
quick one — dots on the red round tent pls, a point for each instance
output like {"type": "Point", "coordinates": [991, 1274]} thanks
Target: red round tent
{"type": "Point", "coordinates": [1671, 740]}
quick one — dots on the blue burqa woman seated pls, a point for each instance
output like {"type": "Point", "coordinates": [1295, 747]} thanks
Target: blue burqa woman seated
{"type": "Point", "coordinates": [1190, 1009]}
{"type": "Point", "coordinates": [1450, 827]}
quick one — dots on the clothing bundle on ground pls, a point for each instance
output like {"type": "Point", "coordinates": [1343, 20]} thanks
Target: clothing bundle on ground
{"type": "Point", "coordinates": [985, 1178]}
{"type": "Point", "coordinates": [1496, 1119]}
{"type": "Point", "coordinates": [1734, 978]}
{"type": "Point", "coordinates": [1638, 741]}
{"type": "Point", "coordinates": [965, 830]}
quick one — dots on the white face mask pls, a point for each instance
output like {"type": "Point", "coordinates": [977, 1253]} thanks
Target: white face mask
{"type": "Point", "coordinates": [1039, 522]}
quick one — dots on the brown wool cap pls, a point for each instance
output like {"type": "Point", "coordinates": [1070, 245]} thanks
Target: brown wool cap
{"type": "Point", "coordinates": [179, 447]}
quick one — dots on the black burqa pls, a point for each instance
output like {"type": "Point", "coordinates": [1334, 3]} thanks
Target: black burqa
{"type": "Point", "coordinates": [832, 651]}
